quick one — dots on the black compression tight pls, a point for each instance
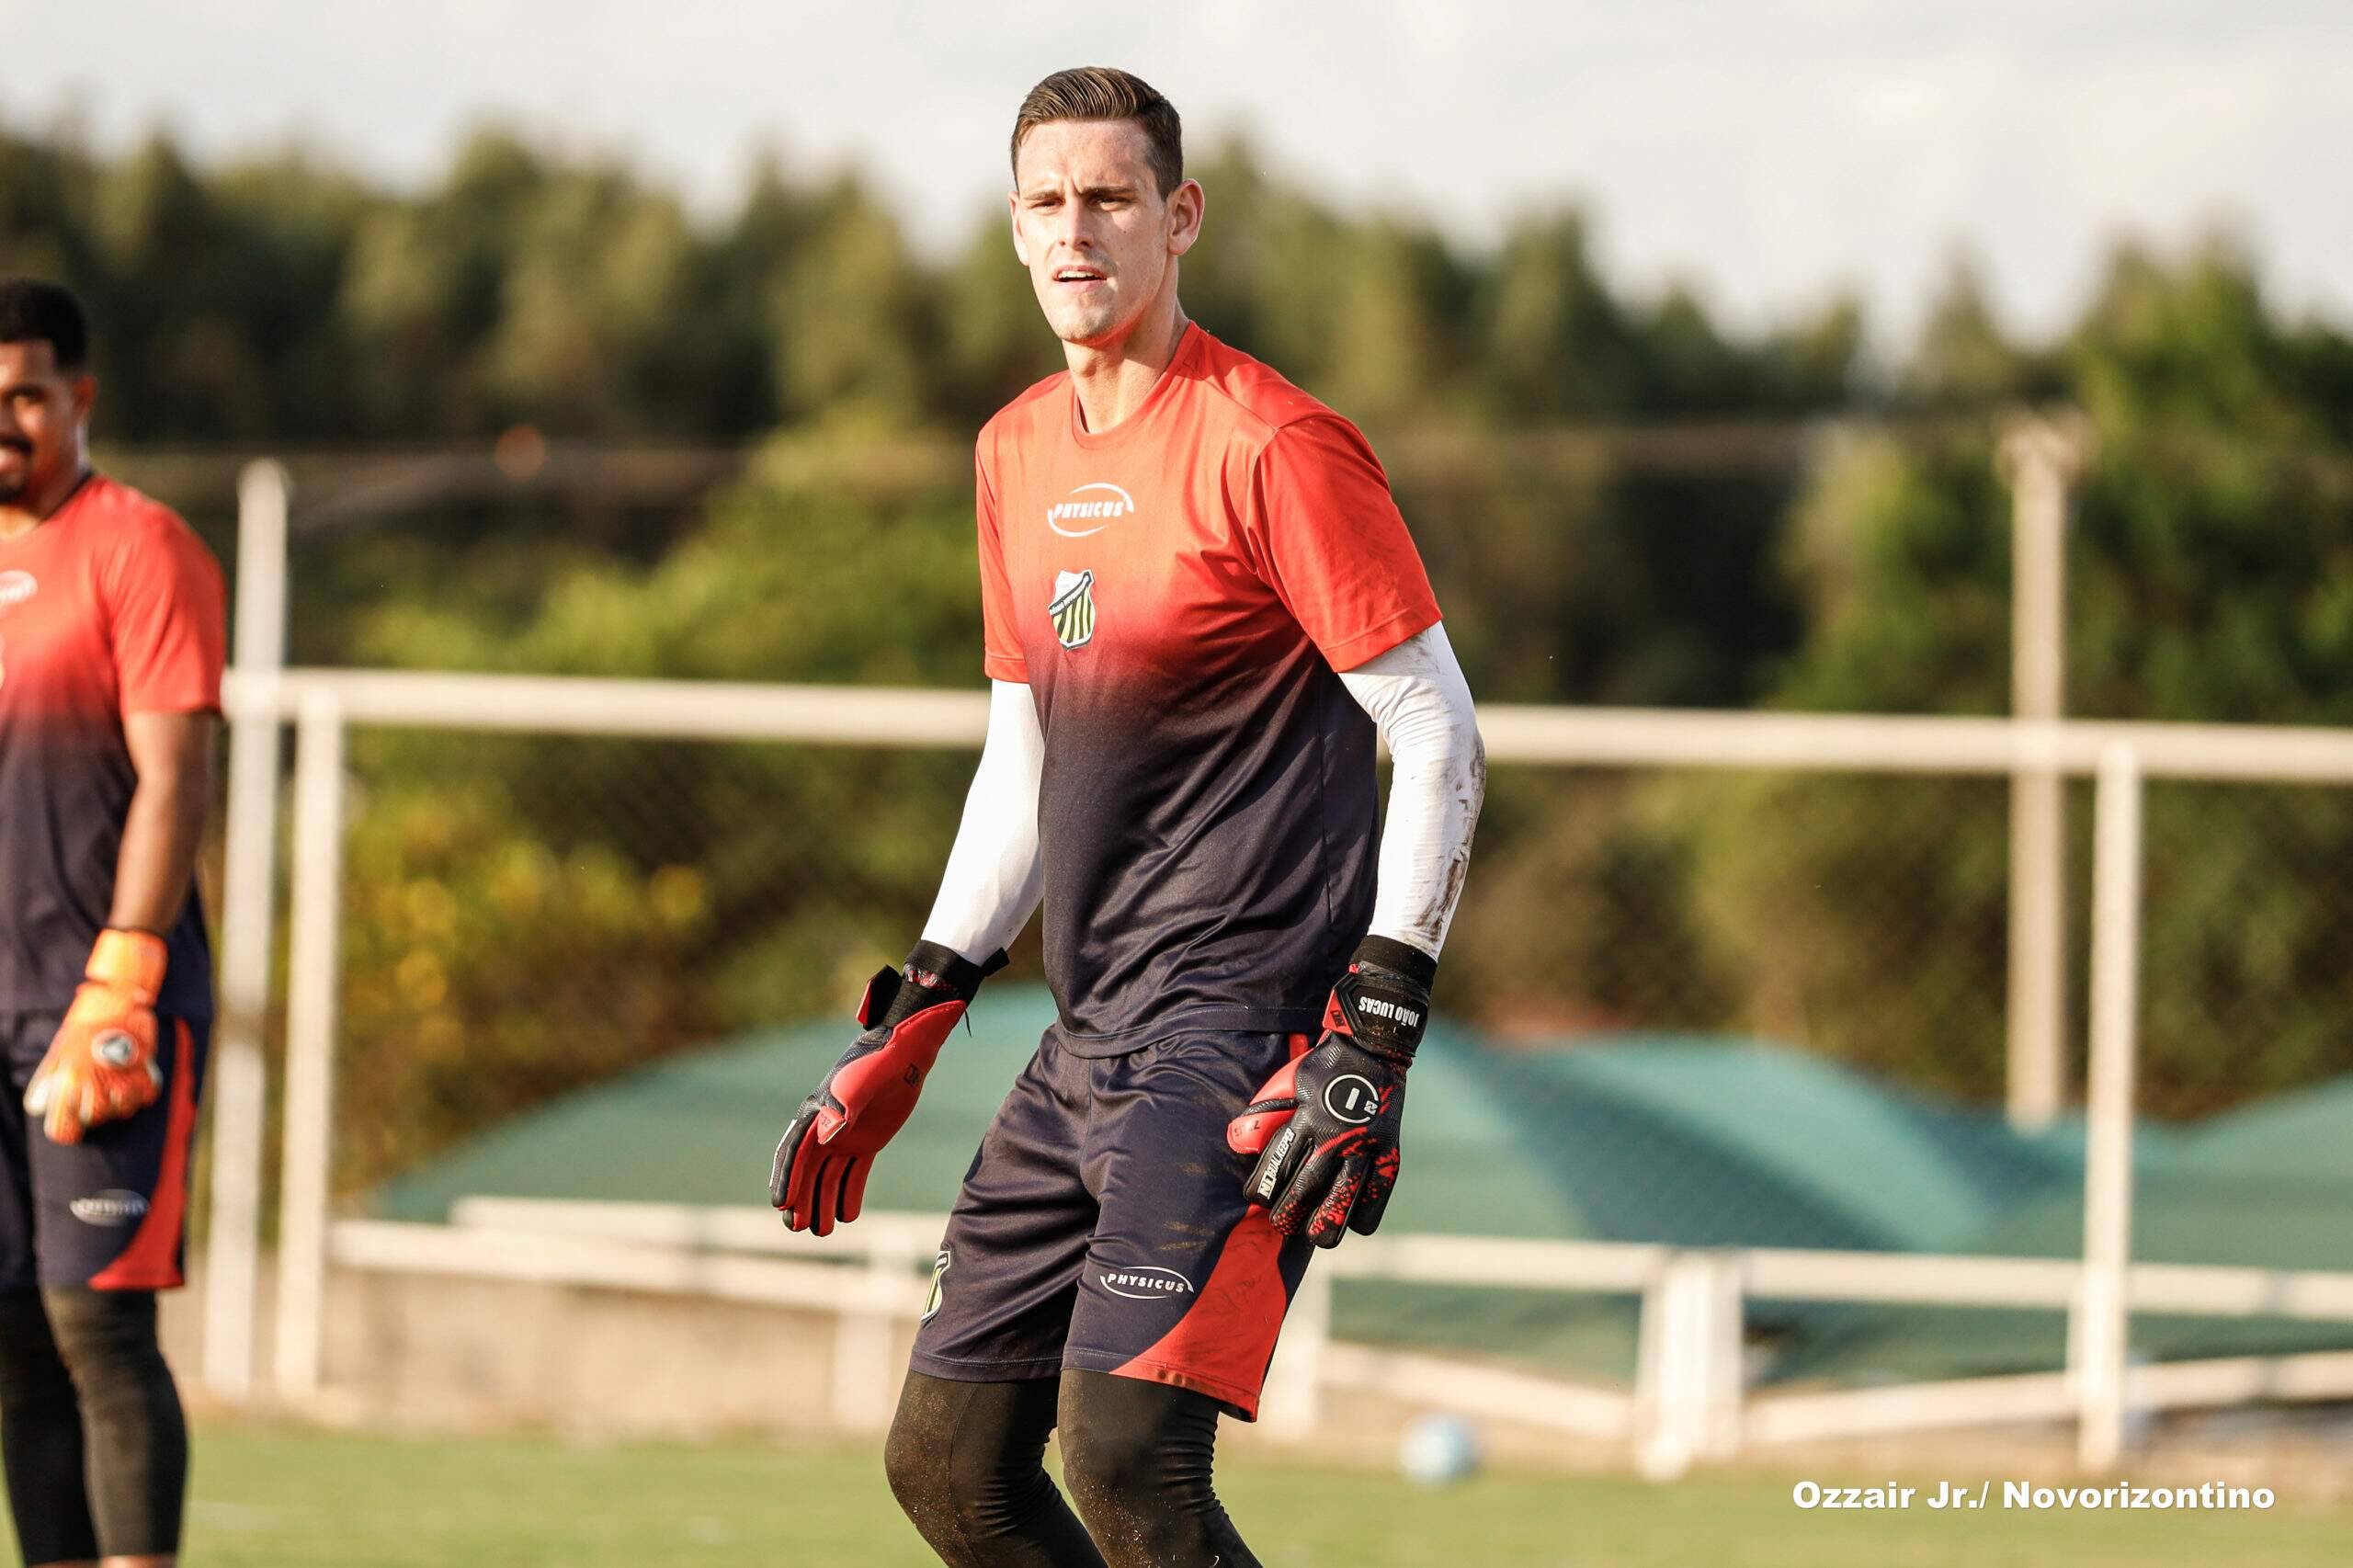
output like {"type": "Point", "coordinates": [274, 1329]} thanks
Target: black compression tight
{"type": "Point", "coordinates": [964, 1461]}
{"type": "Point", "coordinates": [1137, 1457]}
{"type": "Point", "coordinates": [90, 1426]}
{"type": "Point", "coordinates": [40, 1437]}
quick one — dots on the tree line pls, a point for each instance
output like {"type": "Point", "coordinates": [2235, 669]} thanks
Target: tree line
{"type": "Point", "coordinates": [2211, 578]}
{"type": "Point", "coordinates": [286, 298]}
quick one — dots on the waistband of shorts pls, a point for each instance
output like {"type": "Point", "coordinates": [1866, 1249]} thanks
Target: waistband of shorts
{"type": "Point", "coordinates": [1213, 1019]}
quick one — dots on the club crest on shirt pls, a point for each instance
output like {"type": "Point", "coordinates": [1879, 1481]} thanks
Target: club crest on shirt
{"type": "Point", "coordinates": [1072, 607]}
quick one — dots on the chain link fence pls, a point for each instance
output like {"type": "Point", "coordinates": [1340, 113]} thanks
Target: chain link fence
{"type": "Point", "coordinates": [2248, 987]}
{"type": "Point", "coordinates": [528, 914]}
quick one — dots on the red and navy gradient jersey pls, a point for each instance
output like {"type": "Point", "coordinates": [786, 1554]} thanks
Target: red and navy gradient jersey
{"type": "Point", "coordinates": [1178, 592]}
{"type": "Point", "coordinates": [112, 607]}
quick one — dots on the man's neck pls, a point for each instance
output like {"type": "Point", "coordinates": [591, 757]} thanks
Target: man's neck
{"type": "Point", "coordinates": [29, 511]}
{"type": "Point", "coordinates": [1113, 380]}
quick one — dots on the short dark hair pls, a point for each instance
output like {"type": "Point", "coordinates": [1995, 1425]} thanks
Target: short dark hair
{"type": "Point", "coordinates": [35, 311]}
{"type": "Point", "coordinates": [1104, 92]}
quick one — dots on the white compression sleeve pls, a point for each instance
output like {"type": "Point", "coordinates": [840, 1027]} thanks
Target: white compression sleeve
{"type": "Point", "coordinates": [1416, 695]}
{"type": "Point", "coordinates": [994, 874]}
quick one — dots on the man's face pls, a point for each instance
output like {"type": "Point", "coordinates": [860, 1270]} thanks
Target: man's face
{"type": "Point", "coordinates": [41, 411]}
{"type": "Point", "coordinates": [1090, 224]}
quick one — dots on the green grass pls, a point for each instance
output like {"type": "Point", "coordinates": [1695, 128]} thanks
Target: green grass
{"type": "Point", "coordinates": [287, 1496]}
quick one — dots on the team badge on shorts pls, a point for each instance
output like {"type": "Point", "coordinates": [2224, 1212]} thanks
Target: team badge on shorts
{"type": "Point", "coordinates": [938, 1297]}
{"type": "Point", "coordinates": [1072, 607]}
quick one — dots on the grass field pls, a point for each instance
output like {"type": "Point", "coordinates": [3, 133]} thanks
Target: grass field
{"type": "Point", "coordinates": [284, 1496]}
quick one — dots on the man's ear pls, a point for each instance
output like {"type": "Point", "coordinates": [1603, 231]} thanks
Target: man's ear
{"type": "Point", "coordinates": [1187, 204]}
{"type": "Point", "coordinates": [85, 397]}
{"type": "Point", "coordinates": [1013, 216]}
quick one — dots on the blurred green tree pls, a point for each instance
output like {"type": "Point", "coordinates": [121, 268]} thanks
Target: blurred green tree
{"type": "Point", "coordinates": [2211, 578]}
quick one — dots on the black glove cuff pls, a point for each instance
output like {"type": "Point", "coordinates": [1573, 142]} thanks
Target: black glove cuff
{"type": "Point", "coordinates": [1399, 958]}
{"type": "Point", "coordinates": [934, 974]}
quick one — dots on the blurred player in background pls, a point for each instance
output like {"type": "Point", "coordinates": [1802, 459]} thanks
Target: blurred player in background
{"type": "Point", "coordinates": [112, 643]}
{"type": "Point", "coordinates": [1201, 606]}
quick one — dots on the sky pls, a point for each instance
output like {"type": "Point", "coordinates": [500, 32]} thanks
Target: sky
{"type": "Point", "coordinates": [1767, 153]}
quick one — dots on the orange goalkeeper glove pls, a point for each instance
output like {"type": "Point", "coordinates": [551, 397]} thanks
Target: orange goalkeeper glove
{"type": "Point", "coordinates": [101, 1067]}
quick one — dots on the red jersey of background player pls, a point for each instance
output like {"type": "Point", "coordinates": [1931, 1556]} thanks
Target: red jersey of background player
{"type": "Point", "coordinates": [112, 606]}
{"type": "Point", "coordinates": [1178, 592]}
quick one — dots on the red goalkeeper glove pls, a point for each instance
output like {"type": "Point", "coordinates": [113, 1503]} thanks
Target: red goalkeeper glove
{"type": "Point", "coordinates": [101, 1066]}
{"type": "Point", "coordinates": [1325, 1129]}
{"type": "Point", "coordinates": [829, 1146]}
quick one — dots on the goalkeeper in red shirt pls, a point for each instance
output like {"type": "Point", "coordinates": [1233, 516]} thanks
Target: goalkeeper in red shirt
{"type": "Point", "coordinates": [112, 643]}
{"type": "Point", "coordinates": [1200, 608]}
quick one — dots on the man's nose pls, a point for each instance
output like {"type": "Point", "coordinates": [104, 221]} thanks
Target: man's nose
{"type": "Point", "coordinates": [1069, 225]}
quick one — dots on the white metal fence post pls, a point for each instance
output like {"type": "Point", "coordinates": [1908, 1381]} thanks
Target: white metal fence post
{"type": "Point", "coordinates": [248, 901]}
{"type": "Point", "coordinates": [2042, 456]}
{"type": "Point", "coordinates": [316, 918]}
{"type": "Point", "coordinates": [2099, 1340]}
{"type": "Point", "coordinates": [1293, 1396]}
{"type": "Point", "coordinates": [1687, 1368]}
{"type": "Point", "coordinates": [865, 1373]}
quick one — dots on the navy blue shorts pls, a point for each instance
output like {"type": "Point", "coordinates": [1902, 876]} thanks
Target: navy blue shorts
{"type": "Point", "coordinates": [1102, 1226]}
{"type": "Point", "coordinates": [110, 1211]}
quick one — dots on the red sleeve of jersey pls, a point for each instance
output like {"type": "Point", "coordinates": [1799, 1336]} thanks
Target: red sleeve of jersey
{"type": "Point", "coordinates": [167, 613]}
{"type": "Point", "coordinates": [1324, 534]}
{"type": "Point", "coordinates": [1000, 643]}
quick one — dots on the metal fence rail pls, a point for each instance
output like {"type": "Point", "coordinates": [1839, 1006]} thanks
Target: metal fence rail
{"type": "Point", "coordinates": [1514, 732]}
{"type": "Point", "coordinates": [1687, 1401]}
{"type": "Point", "coordinates": [323, 704]}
